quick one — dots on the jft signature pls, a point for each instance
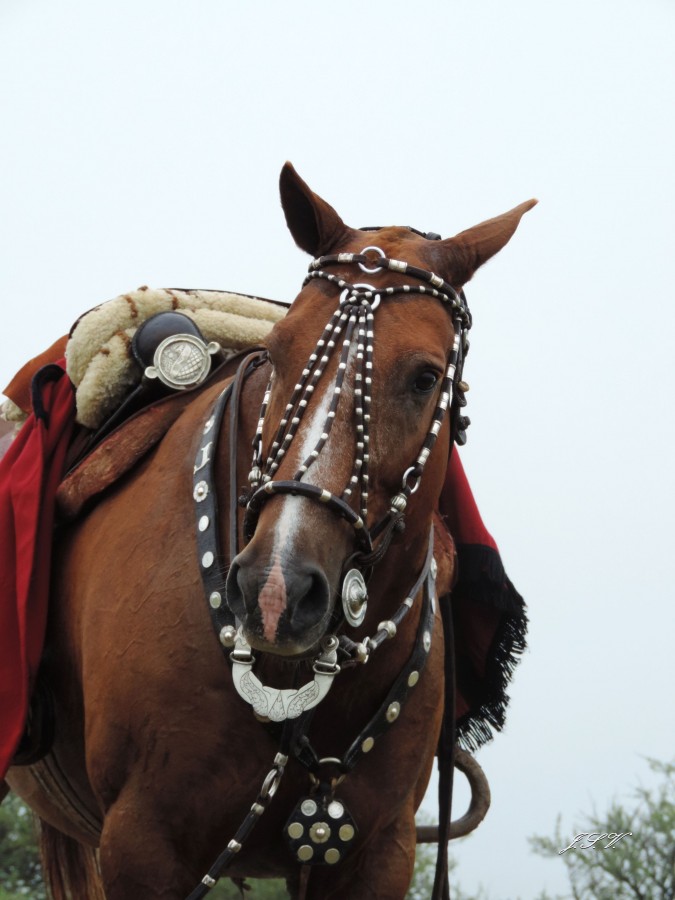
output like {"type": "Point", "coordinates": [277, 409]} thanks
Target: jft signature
{"type": "Point", "coordinates": [587, 840]}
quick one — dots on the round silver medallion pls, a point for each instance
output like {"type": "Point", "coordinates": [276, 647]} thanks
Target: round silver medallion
{"type": "Point", "coordinates": [354, 597]}
{"type": "Point", "coordinates": [182, 361]}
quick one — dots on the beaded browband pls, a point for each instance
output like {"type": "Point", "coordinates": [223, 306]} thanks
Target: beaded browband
{"type": "Point", "coordinates": [354, 319]}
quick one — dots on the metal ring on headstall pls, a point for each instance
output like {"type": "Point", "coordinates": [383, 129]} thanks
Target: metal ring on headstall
{"type": "Point", "coordinates": [365, 268]}
{"type": "Point", "coordinates": [271, 783]}
{"type": "Point", "coordinates": [418, 479]}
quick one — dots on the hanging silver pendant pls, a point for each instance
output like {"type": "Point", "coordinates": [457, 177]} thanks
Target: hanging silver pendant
{"type": "Point", "coordinates": [182, 361]}
{"type": "Point", "coordinates": [354, 597]}
{"type": "Point", "coordinates": [320, 830]}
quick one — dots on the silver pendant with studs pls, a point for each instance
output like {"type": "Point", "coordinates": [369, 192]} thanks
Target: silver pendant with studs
{"type": "Point", "coordinates": [320, 830]}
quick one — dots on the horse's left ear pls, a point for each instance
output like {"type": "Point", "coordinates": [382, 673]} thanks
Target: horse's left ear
{"type": "Point", "coordinates": [458, 257]}
{"type": "Point", "coordinates": [314, 224]}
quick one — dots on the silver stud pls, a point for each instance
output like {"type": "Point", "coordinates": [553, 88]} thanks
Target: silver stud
{"type": "Point", "coordinates": [362, 653]}
{"type": "Point", "coordinates": [305, 853]}
{"type": "Point", "coordinates": [308, 807]}
{"type": "Point", "coordinates": [346, 832]}
{"type": "Point", "coordinates": [368, 744]}
{"type": "Point", "coordinates": [413, 678]}
{"type": "Point", "coordinates": [227, 635]}
{"type": "Point", "coordinates": [392, 711]}
{"type": "Point", "coordinates": [319, 832]}
{"type": "Point", "coordinates": [234, 846]}
{"type": "Point", "coordinates": [335, 809]}
{"type": "Point", "coordinates": [215, 599]}
{"type": "Point", "coordinates": [433, 568]}
{"type": "Point", "coordinates": [399, 502]}
{"type": "Point", "coordinates": [203, 523]}
{"type": "Point", "coordinates": [295, 830]}
{"type": "Point", "coordinates": [332, 856]}
{"type": "Point", "coordinates": [389, 627]}
{"type": "Point", "coordinates": [200, 491]}
{"type": "Point", "coordinates": [207, 559]}
{"type": "Point", "coordinates": [426, 641]}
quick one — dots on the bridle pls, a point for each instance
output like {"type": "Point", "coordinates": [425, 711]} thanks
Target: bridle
{"type": "Point", "coordinates": [353, 317]}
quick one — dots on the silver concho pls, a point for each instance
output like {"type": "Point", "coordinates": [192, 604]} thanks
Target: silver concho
{"type": "Point", "coordinates": [354, 597]}
{"type": "Point", "coordinates": [182, 361]}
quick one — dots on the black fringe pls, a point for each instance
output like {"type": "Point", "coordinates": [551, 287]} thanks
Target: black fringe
{"type": "Point", "coordinates": [482, 580]}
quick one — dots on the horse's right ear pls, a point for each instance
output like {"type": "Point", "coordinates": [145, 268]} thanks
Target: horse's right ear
{"type": "Point", "coordinates": [314, 224]}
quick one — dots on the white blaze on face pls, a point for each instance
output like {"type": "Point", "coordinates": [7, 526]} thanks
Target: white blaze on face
{"type": "Point", "coordinates": [294, 511]}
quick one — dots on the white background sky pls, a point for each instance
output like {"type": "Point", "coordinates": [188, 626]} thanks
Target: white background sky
{"type": "Point", "coordinates": [141, 144]}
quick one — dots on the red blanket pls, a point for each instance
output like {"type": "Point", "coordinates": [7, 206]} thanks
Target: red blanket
{"type": "Point", "coordinates": [489, 617]}
{"type": "Point", "coordinates": [30, 472]}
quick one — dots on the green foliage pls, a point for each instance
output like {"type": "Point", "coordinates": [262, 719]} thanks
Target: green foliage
{"type": "Point", "coordinates": [259, 889]}
{"type": "Point", "coordinates": [20, 874]}
{"type": "Point", "coordinates": [640, 866]}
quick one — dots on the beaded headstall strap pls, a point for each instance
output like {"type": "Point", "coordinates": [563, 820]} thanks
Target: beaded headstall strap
{"type": "Point", "coordinates": [354, 320]}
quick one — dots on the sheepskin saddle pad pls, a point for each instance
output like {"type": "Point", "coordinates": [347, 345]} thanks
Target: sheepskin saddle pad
{"type": "Point", "coordinates": [99, 357]}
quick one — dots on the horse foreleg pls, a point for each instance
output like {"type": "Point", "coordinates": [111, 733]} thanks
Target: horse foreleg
{"type": "Point", "coordinates": [381, 868]}
{"type": "Point", "coordinates": [138, 859]}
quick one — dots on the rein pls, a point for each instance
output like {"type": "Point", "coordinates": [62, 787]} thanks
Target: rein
{"type": "Point", "coordinates": [310, 839]}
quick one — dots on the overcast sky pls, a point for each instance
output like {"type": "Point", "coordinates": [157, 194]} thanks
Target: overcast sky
{"type": "Point", "coordinates": [141, 144]}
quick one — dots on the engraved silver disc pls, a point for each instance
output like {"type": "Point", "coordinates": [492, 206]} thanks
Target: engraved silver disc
{"type": "Point", "coordinates": [182, 361]}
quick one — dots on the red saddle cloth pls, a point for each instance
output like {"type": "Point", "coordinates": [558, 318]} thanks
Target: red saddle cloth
{"type": "Point", "coordinates": [489, 614]}
{"type": "Point", "coordinates": [30, 472]}
{"type": "Point", "coordinates": [490, 622]}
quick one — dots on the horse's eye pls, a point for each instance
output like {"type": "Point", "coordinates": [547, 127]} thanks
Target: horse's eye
{"type": "Point", "coordinates": [426, 382]}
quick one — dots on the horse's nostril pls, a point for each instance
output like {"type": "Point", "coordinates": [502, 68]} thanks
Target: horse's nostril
{"type": "Point", "coordinates": [310, 600]}
{"type": "Point", "coordinates": [236, 592]}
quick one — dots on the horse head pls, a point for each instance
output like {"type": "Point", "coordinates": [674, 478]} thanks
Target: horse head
{"type": "Point", "coordinates": [358, 419]}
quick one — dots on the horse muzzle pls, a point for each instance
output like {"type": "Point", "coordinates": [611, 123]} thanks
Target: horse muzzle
{"type": "Point", "coordinates": [283, 609]}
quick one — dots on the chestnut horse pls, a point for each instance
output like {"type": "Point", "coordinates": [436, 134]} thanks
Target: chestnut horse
{"type": "Point", "coordinates": [166, 764]}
